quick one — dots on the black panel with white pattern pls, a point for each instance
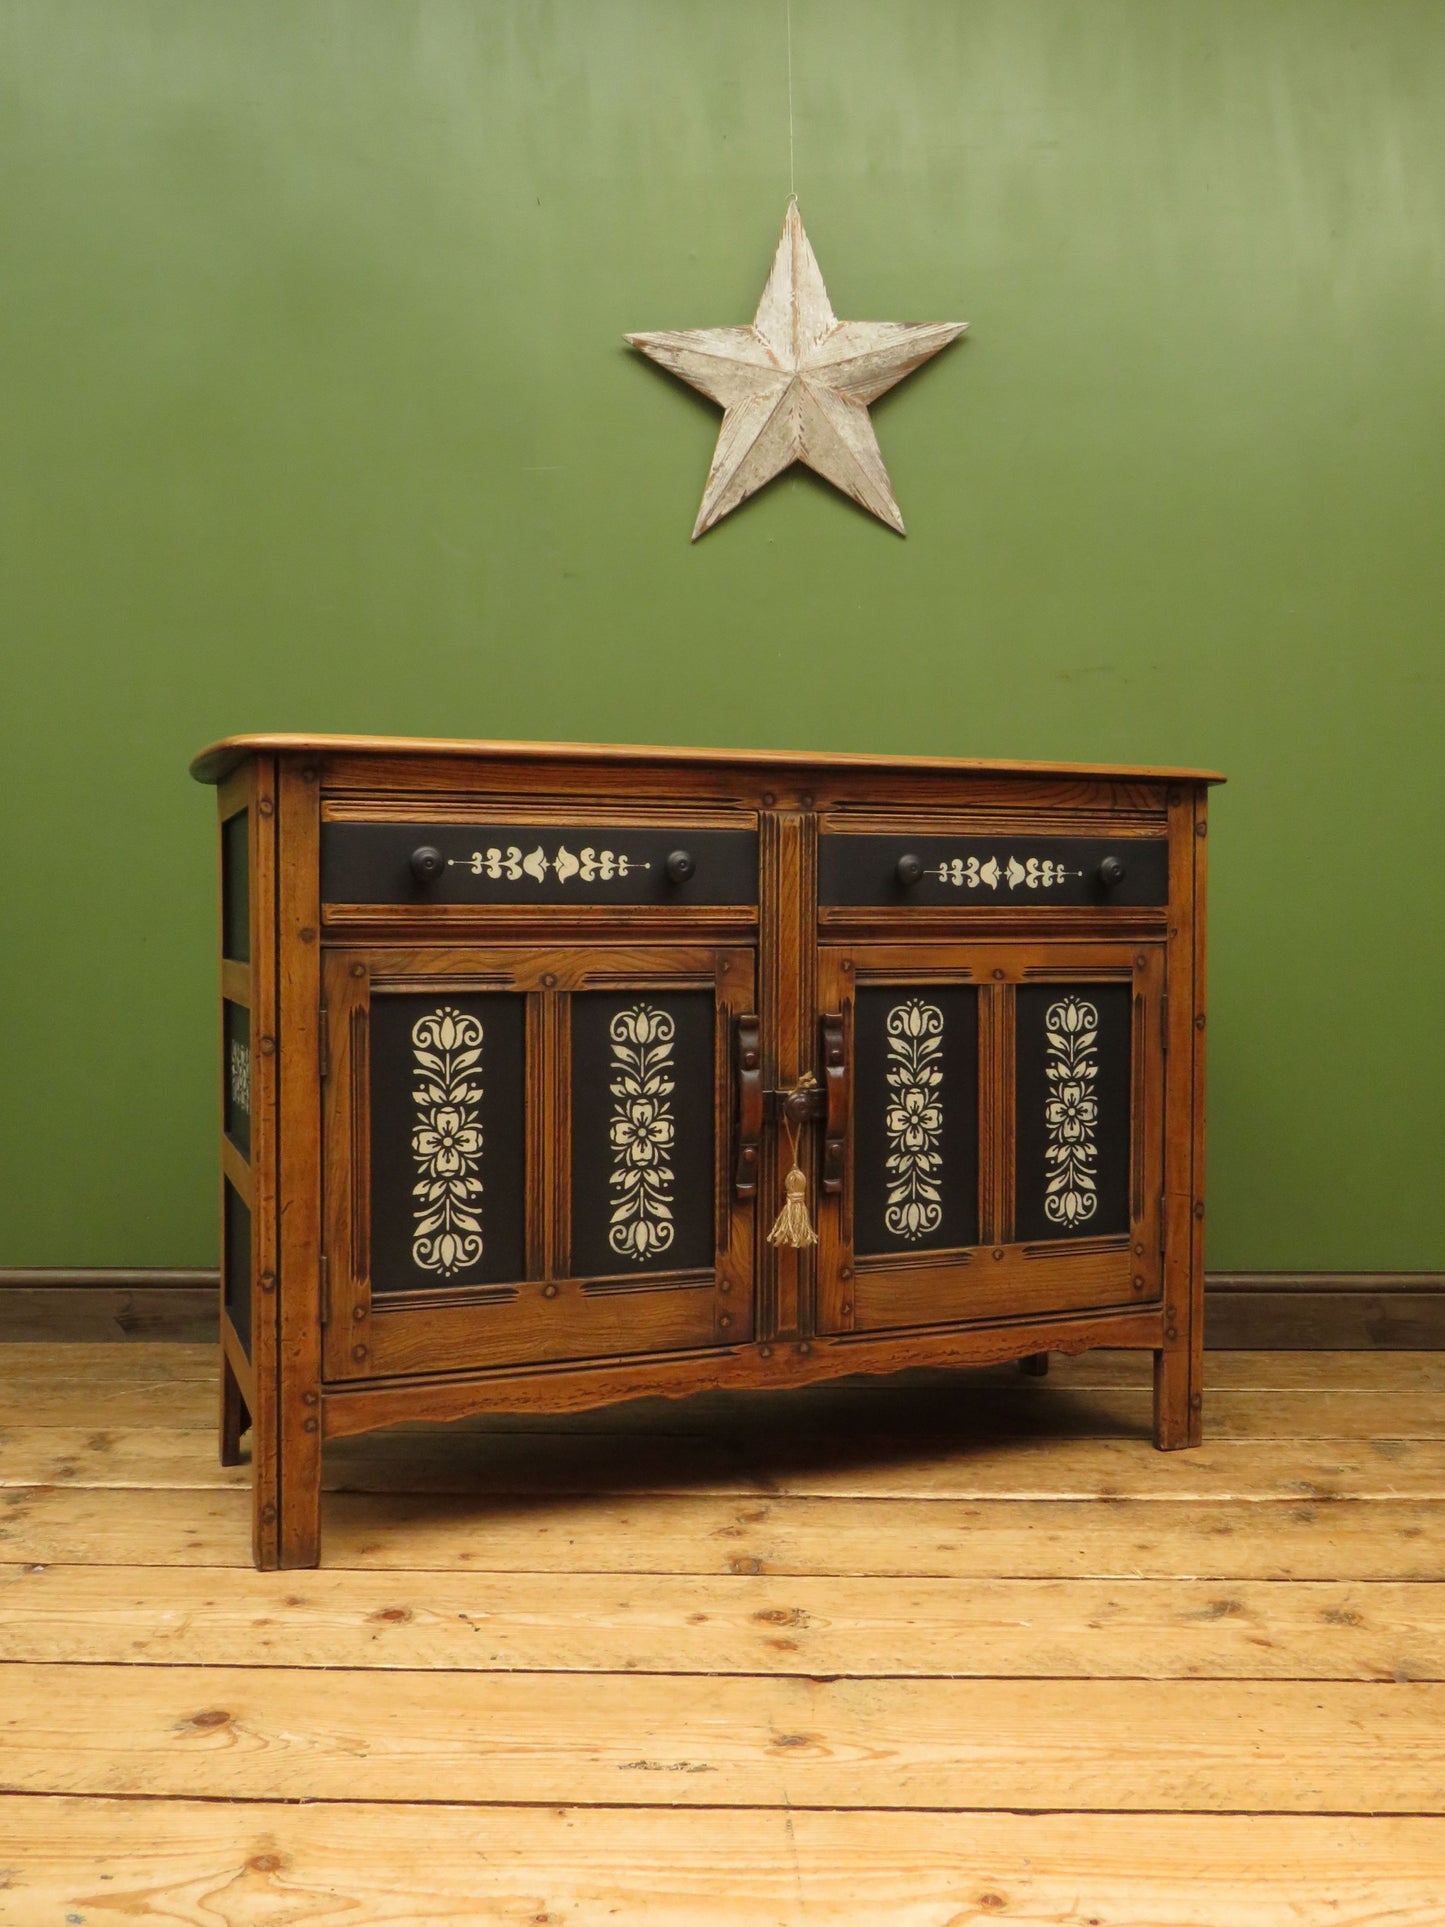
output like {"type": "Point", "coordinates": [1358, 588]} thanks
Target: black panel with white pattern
{"type": "Point", "coordinates": [448, 1140]}
{"type": "Point", "coordinates": [236, 1075]}
{"type": "Point", "coordinates": [643, 1099]}
{"type": "Point", "coordinates": [1074, 1045]}
{"type": "Point", "coordinates": [915, 1110]}
{"type": "Point", "coordinates": [972, 872]}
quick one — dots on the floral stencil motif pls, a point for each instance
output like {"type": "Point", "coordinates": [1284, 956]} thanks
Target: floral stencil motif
{"type": "Point", "coordinates": [241, 1076]}
{"type": "Point", "coordinates": [593, 866]}
{"type": "Point", "coordinates": [1071, 1112]}
{"type": "Point", "coordinates": [447, 1142]}
{"type": "Point", "coordinates": [1035, 873]}
{"type": "Point", "coordinates": [914, 1119]}
{"type": "Point", "coordinates": [642, 1131]}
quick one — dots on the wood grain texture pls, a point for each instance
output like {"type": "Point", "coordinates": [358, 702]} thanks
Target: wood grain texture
{"type": "Point", "coordinates": [735, 1623]}
{"type": "Point", "coordinates": [909, 1538]}
{"type": "Point", "coordinates": [940, 1415]}
{"type": "Point", "coordinates": [265, 1152]}
{"type": "Point", "coordinates": [1244, 1312]}
{"type": "Point", "coordinates": [569, 1330]}
{"type": "Point", "coordinates": [1178, 1380]}
{"type": "Point", "coordinates": [212, 764]}
{"type": "Point", "coordinates": [294, 1437]}
{"type": "Point", "coordinates": [549, 1464]}
{"type": "Point", "coordinates": [250, 1732]}
{"type": "Point", "coordinates": [1333, 1318]}
{"type": "Point", "coordinates": [583, 1385]}
{"type": "Point", "coordinates": [788, 962]}
{"type": "Point", "coordinates": [59, 1382]}
{"type": "Point", "coordinates": [669, 1707]}
{"type": "Point", "coordinates": [116, 1861]}
{"type": "Point", "coordinates": [44, 1314]}
{"type": "Point", "coordinates": [70, 1382]}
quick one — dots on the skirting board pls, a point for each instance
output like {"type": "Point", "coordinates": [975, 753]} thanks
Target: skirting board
{"type": "Point", "coordinates": [1324, 1311]}
{"type": "Point", "coordinates": [48, 1306]}
{"type": "Point", "coordinates": [1349, 1311]}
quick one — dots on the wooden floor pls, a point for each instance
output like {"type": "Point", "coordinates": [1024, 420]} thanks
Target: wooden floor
{"type": "Point", "coordinates": [915, 1653]}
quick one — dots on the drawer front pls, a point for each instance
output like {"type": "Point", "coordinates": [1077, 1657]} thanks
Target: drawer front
{"type": "Point", "coordinates": [529, 863]}
{"type": "Point", "coordinates": [896, 870]}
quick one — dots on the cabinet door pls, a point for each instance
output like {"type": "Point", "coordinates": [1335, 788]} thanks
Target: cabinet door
{"type": "Point", "coordinates": [526, 1156]}
{"type": "Point", "coordinates": [1002, 1150]}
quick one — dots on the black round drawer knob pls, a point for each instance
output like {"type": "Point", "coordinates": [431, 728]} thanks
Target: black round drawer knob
{"type": "Point", "coordinates": [1111, 871]}
{"type": "Point", "coordinates": [909, 870]}
{"type": "Point", "coordinates": [427, 863]}
{"type": "Point", "coordinates": [680, 866]}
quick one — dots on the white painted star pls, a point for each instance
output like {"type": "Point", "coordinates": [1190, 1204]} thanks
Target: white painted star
{"type": "Point", "coordinates": [796, 384]}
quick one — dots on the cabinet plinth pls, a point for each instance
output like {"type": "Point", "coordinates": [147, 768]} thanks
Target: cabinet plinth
{"type": "Point", "coordinates": [522, 1037]}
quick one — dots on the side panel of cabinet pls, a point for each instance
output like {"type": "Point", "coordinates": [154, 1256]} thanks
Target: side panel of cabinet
{"type": "Point", "coordinates": [1004, 1155]}
{"type": "Point", "coordinates": [249, 1093]}
{"type": "Point", "coordinates": [526, 1156]}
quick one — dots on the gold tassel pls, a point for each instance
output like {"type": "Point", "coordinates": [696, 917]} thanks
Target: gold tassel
{"type": "Point", "coordinates": [793, 1226]}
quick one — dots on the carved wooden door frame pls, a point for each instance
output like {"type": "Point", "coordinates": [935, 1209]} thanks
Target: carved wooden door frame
{"type": "Point", "coordinates": [1003, 1275]}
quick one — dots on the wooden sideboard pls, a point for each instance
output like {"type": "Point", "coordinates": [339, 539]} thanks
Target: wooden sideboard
{"type": "Point", "coordinates": [516, 1039]}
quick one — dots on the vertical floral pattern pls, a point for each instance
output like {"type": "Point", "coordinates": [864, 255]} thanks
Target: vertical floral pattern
{"type": "Point", "coordinates": [914, 1119]}
{"type": "Point", "coordinates": [447, 1141]}
{"type": "Point", "coordinates": [642, 1132]}
{"type": "Point", "coordinates": [1071, 1112]}
{"type": "Point", "coordinates": [240, 1076]}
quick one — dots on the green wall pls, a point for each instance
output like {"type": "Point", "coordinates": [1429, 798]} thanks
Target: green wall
{"type": "Point", "coordinates": [314, 415]}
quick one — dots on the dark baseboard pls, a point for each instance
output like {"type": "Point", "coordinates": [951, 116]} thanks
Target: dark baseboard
{"type": "Point", "coordinates": [1323, 1311]}
{"type": "Point", "coordinates": [93, 1306]}
{"type": "Point", "coordinates": [107, 1277]}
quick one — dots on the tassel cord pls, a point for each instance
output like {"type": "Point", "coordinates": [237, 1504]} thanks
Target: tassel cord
{"type": "Point", "coordinates": [793, 1226]}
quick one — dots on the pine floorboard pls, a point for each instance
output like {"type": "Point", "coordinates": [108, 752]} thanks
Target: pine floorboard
{"type": "Point", "coordinates": [928, 1651]}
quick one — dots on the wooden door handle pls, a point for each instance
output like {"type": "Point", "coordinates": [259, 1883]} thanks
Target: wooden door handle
{"type": "Point", "coordinates": [748, 1078]}
{"type": "Point", "coordinates": [804, 1102]}
{"type": "Point", "coordinates": [837, 1088]}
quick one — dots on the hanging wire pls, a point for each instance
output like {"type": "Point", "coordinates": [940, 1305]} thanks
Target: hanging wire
{"type": "Point", "coordinates": [788, 15]}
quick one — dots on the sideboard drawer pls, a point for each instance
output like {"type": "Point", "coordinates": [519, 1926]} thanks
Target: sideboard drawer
{"type": "Point", "coordinates": [895, 870]}
{"type": "Point", "coordinates": [450, 864]}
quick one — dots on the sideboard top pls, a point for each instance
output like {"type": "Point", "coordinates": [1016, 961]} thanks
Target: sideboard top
{"type": "Point", "coordinates": [218, 760]}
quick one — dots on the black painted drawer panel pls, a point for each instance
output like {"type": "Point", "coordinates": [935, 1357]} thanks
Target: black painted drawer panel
{"type": "Point", "coordinates": [968, 871]}
{"type": "Point", "coordinates": [530, 863]}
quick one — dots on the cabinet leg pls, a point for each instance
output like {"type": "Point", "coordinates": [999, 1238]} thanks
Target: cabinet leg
{"type": "Point", "coordinates": [1035, 1364]}
{"type": "Point", "coordinates": [1177, 1402]}
{"type": "Point", "coordinates": [265, 1508]}
{"type": "Point", "coordinates": [299, 1529]}
{"type": "Point", "coordinates": [285, 1514]}
{"type": "Point", "coordinates": [301, 1514]}
{"type": "Point", "coordinates": [234, 1417]}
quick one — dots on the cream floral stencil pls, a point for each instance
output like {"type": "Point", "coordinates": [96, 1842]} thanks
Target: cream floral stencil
{"type": "Point", "coordinates": [241, 1076]}
{"type": "Point", "coordinates": [642, 1132]}
{"type": "Point", "coordinates": [447, 1142]}
{"type": "Point", "coordinates": [592, 866]}
{"type": "Point", "coordinates": [1071, 1111]}
{"type": "Point", "coordinates": [914, 1119]}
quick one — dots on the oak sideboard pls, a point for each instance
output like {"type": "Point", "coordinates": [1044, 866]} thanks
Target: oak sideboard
{"type": "Point", "coordinates": [554, 1075]}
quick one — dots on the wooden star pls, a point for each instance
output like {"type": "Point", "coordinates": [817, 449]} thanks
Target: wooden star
{"type": "Point", "coordinates": [796, 384]}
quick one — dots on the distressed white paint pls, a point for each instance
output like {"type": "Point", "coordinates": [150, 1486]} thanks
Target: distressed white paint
{"type": "Point", "coordinates": [795, 385]}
